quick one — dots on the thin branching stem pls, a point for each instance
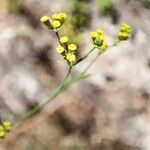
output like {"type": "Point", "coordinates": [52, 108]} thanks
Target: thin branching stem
{"type": "Point", "coordinates": [92, 62]}
{"type": "Point", "coordinates": [66, 83]}
{"type": "Point", "coordinates": [68, 73]}
{"type": "Point", "coordinates": [58, 37]}
{"type": "Point", "coordinates": [51, 97]}
{"type": "Point", "coordinates": [80, 59]}
{"type": "Point", "coordinates": [84, 57]}
{"type": "Point", "coordinates": [115, 43]}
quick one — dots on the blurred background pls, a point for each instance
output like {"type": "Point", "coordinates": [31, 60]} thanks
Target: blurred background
{"type": "Point", "coordinates": [108, 111]}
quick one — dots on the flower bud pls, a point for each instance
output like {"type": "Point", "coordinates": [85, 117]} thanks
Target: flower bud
{"type": "Point", "coordinates": [56, 24]}
{"type": "Point", "coordinates": [94, 35]}
{"type": "Point", "coordinates": [104, 46]}
{"type": "Point", "coordinates": [1, 128]}
{"type": "Point", "coordinates": [72, 47]}
{"type": "Point", "coordinates": [2, 134]}
{"type": "Point", "coordinates": [64, 39]}
{"type": "Point", "coordinates": [60, 49]}
{"type": "Point", "coordinates": [125, 31]}
{"type": "Point", "coordinates": [60, 17]}
{"type": "Point", "coordinates": [71, 57]}
{"type": "Point", "coordinates": [7, 125]}
{"type": "Point", "coordinates": [99, 39]}
{"type": "Point", "coordinates": [45, 20]}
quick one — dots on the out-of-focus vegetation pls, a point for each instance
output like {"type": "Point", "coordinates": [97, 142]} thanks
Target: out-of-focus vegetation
{"type": "Point", "coordinates": [104, 6]}
{"type": "Point", "coordinates": [79, 19]}
{"type": "Point", "coordinates": [146, 3]}
{"type": "Point", "coordinates": [80, 14]}
{"type": "Point", "coordinates": [12, 6]}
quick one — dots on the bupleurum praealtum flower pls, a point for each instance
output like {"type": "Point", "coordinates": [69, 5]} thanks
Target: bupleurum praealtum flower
{"type": "Point", "coordinates": [71, 57]}
{"type": "Point", "coordinates": [125, 31]}
{"type": "Point", "coordinates": [2, 132]}
{"type": "Point", "coordinates": [68, 51]}
{"type": "Point", "coordinates": [56, 22]}
{"type": "Point", "coordinates": [72, 47]}
{"type": "Point", "coordinates": [46, 20]}
{"type": "Point", "coordinates": [60, 49]}
{"type": "Point", "coordinates": [5, 127]}
{"type": "Point", "coordinates": [99, 39]}
{"type": "Point", "coordinates": [63, 39]}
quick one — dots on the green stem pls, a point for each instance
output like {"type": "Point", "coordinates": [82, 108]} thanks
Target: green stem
{"type": "Point", "coordinates": [61, 88]}
{"type": "Point", "coordinates": [115, 43]}
{"type": "Point", "coordinates": [84, 57]}
{"type": "Point", "coordinates": [80, 59]}
{"type": "Point", "coordinates": [58, 37]}
{"type": "Point", "coordinates": [92, 62]}
{"type": "Point", "coordinates": [51, 97]}
{"type": "Point", "coordinates": [68, 73]}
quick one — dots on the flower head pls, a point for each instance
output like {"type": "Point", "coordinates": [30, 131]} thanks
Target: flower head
{"type": "Point", "coordinates": [7, 125]}
{"type": "Point", "coordinates": [99, 39]}
{"type": "Point", "coordinates": [64, 39]}
{"type": "Point", "coordinates": [56, 24]}
{"type": "Point", "coordinates": [60, 49]}
{"type": "Point", "coordinates": [125, 31]}
{"type": "Point", "coordinates": [104, 46]}
{"type": "Point", "coordinates": [60, 17]}
{"type": "Point", "coordinates": [2, 133]}
{"type": "Point", "coordinates": [57, 20]}
{"type": "Point", "coordinates": [72, 47]}
{"type": "Point", "coordinates": [56, 16]}
{"type": "Point", "coordinates": [46, 21]}
{"type": "Point", "coordinates": [71, 57]}
{"type": "Point", "coordinates": [94, 35]}
{"type": "Point", "coordinates": [1, 128]}
{"type": "Point", "coordinates": [100, 31]}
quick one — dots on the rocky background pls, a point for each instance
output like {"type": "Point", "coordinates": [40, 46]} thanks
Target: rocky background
{"type": "Point", "coordinates": [108, 111]}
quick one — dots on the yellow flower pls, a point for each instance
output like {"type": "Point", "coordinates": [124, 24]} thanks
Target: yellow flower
{"type": "Point", "coordinates": [104, 46]}
{"type": "Point", "coordinates": [2, 133]}
{"type": "Point", "coordinates": [7, 125]}
{"type": "Point", "coordinates": [100, 31]}
{"type": "Point", "coordinates": [123, 36]}
{"type": "Point", "coordinates": [99, 39]}
{"type": "Point", "coordinates": [125, 28]}
{"type": "Point", "coordinates": [44, 19]}
{"type": "Point", "coordinates": [1, 128]}
{"type": "Point", "coordinates": [60, 17]}
{"type": "Point", "coordinates": [56, 16]}
{"type": "Point", "coordinates": [72, 47]}
{"type": "Point", "coordinates": [125, 31]}
{"type": "Point", "coordinates": [56, 24]}
{"type": "Point", "coordinates": [64, 39]}
{"type": "Point", "coordinates": [71, 57]}
{"type": "Point", "coordinates": [60, 49]}
{"type": "Point", "coordinates": [94, 34]}
{"type": "Point", "coordinates": [63, 16]}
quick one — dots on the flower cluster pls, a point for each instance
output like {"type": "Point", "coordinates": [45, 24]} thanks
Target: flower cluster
{"type": "Point", "coordinates": [67, 50]}
{"type": "Point", "coordinates": [99, 39]}
{"type": "Point", "coordinates": [125, 31]}
{"type": "Point", "coordinates": [56, 22]}
{"type": "Point", "coordinates": [5, 127]}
